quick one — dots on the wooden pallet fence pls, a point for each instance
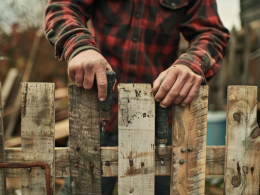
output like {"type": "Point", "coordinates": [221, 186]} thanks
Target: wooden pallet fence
{"type": "Point", "coordinates": [135, 162]}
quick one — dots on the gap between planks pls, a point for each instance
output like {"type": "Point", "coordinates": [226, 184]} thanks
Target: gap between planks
{"type": "Point", "coordinates": [215, 160]}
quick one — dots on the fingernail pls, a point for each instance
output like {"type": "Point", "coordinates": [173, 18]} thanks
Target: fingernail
{"type": "Point", "coordinates": [101, 99]}
{"type": "Point", "coordinates": [162, 106]}
{"type": "Point", "coordinates": [157, 100]}
{"type": "Point", "coordinates": [183, 105]}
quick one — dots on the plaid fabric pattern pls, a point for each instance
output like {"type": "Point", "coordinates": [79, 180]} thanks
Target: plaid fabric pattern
{"type": "Point", "coordinates": [139, 38]}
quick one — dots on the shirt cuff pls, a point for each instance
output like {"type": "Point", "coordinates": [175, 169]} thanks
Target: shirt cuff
{"type": "Point", "coordinates": [194, 63]}
{"type": "Point", "coordinates": [80, 49]}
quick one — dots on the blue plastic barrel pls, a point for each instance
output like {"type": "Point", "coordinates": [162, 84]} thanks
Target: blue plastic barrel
{"type": "Point", "coordinates": [216, 128]}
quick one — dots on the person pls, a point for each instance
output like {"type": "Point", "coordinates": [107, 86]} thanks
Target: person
{"type": "Point", "coordinates": [138, 39]}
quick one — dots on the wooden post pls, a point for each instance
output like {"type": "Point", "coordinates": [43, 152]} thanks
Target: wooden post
{"type": "Point", "coordinates": [2, 150]}
{"type": "Point", "coordinates": [242, 142]}
{"type": "Point", "coordinates": [85, 154]}
{"type": "Point", "coordinates": [37, 132]}
{"type": "Point", "coordinates": [189, 134]}
{"type": "Point", "coordinates": [136, 149]}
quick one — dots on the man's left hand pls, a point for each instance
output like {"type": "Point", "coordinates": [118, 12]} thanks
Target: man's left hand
{"type": "Point", "coordinates": [180, 86]}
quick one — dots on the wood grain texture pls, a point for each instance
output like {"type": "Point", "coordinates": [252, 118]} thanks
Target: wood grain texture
{"type": "Point", "coordinates": [84, 141]}
{"type": "Point", "coordinates": [189, 130]}
{"type": "Point", "coordinates": [242, 142]}
{"type": "Point", "coordinates": [37, 132]}
{"type": "Point", "coordinates": [2, 150]}
{"type": "Point", "coordinates": [215, 160]}
{"type": "Point", "coordinates": [136, 125]}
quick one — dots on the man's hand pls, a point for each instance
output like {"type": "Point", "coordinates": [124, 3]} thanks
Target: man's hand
{"type": "Point", "coordinates": [87, 65]}
{"type": "Point", "coordinates": [180, 85]}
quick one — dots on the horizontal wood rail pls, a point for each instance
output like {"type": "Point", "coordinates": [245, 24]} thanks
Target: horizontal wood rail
{"type": "Point", "coordinates": [215, 160]}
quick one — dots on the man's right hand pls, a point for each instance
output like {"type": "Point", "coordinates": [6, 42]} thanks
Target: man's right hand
{"type": "Point", "coordinates": [87, 65]}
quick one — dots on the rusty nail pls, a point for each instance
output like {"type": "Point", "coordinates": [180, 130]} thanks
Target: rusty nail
{"type": "Point", "coordinates": [29, 169]}
{"type": "Point", "coordinates": [76, 165]}
{"type": "Point", "coordinates": [252, 168]}
{"type": "Point", "coordinates": [77, 148]}
{"type": "Point", "coordinates": [238, 168]}
{"type": "Point", "coordinates": [131, 191]}
{"type": "Point", "coordinates": [142, 164]}
{"type": "Point", "coordinates": [107, 163]}
{"type": "Point", "coordinates": [91, 165]}
{"type": "Point", "coordinates": [182, 161]}
{"type": "Point", "coordinates": [190, 149]}
{"type": "Point", "coordinates": [95, 148]}
{"type": "Point", "coordinates": [183, 150]}
{"type": "Point", "coordinates": [131, 162]}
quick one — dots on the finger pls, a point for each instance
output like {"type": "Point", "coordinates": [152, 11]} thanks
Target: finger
{"type": "Point", "coordinates": [101, 83]}
{"type": "Point", "coordinates": [184, 90]}
{"type": "Point", "coordinates": [192, 93]}
{"type": "Point", "coordinates": [79, 78]}
{"type": "Point", "coordinates": [166, 85]}
{"type": "Point", "coordinates": [71, 74]}
{"type": "Point", "coordinates": [157, 82]}
{"type": "Point", "coordinates": [174, 91]}
{"type": "Point", "coordinates": [88, 79]}
{"type": "Point", "coordinates": [114, 85]}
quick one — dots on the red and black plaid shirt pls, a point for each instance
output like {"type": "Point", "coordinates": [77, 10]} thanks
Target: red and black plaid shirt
{"type": "Point", "coordinates": [139, 38]}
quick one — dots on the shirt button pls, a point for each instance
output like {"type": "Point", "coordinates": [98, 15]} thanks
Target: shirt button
{"type": "Point", "coordinates": [137, 15]}
{"type": "Point", "coordinates": [135, 39]}
{"type": "Point", "coordinates": [173, 4]}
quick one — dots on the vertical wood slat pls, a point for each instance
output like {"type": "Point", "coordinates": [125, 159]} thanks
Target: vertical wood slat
{"type": "Point", "coordinates": [189, 130]}
{"type": "Point", "coordinates": [37, 135]}
{"type": "Point", "coordinates": [136, 124]}
{"type": "Point", "coordinates": [242, 142]}
{"type": "Point", "coordinates": [2, 150]}
{"type": "Point", "coordinates": [84, 141]}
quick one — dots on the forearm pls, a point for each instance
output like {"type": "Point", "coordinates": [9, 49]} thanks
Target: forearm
{"type": "Point", "coordinates": [207, 39]}
{"type": "Point", "coordinates": [65, 26]}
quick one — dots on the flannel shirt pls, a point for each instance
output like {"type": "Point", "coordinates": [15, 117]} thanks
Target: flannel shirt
{"type": "Point", "coordinates": [139, 38]}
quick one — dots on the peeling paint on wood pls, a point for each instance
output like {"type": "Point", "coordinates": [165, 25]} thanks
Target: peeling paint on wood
{"type": "Point", "coordinates": [85, 155]}
{"type": "Point", "coordinates": [37, 133]}
{"type": "Point", "coordinates": [2, 150]}
{"type": "Point", "coordinates": [242, 142]}
{"type": "Point", "coordinates": [189, 131]}
{"type": "Point", "coordinates": [136, 124]}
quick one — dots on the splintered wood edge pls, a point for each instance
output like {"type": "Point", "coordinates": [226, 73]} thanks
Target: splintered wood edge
{"type": "Point", "coordinates": [215, 160]}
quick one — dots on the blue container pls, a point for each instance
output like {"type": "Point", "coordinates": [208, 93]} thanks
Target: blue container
{"type": "Point", "coordinates": [216, 128]}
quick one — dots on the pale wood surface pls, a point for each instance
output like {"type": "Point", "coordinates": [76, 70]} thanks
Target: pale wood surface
{"type": "Point", "coordinates": [189, 130]}
{"type": "Point", "coordinates": [136, 126]}
{"type": "Point", "coordinates": [37, 132]}
{"type": "Point", "coordinates": [2, 150]}
{"type": "Point", "coordinates": [61, 131]}
{"type": "Point", "coordinates": [215, 160]}
{"type": "Point", "coordinates": [85, 134]}
{"type": "Point", "coordinates": [242, 142]}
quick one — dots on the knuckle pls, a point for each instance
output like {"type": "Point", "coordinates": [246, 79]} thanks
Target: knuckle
{"type": "Point", "coordinates": [102, 84]}
{"type": "Point", "coordinates": [173, 93]}
{"type": "Point", "coordinates": [89, 66]}
{"type": "Point", "coordinates": [165, 87]}
{"type": "Point", "coordinates": [181, 95]}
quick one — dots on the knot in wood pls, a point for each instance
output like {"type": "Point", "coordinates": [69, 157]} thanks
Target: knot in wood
{"type": "Point", "coordinates": [142, 164]}
{"type": "Point", "coordinates": [237, 117]}
{"type": "Point", "coordinates": [236, 181]}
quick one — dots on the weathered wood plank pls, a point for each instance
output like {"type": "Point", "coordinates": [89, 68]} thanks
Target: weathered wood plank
{"type": "Point", "coordinates": [136, 124]}
{"type": "Point", "coordinates": [242, 142]}
{"type": "Point", "coordinates": [84, 141]}
{"type": "Point", "coordinates": [188, 168]}
{"type": "Point", "coordinates": [2, 150]}
{"type": "Point", "coordinates": [37, 132]}
{"type": "Point", "coordinates": [215, 160]}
